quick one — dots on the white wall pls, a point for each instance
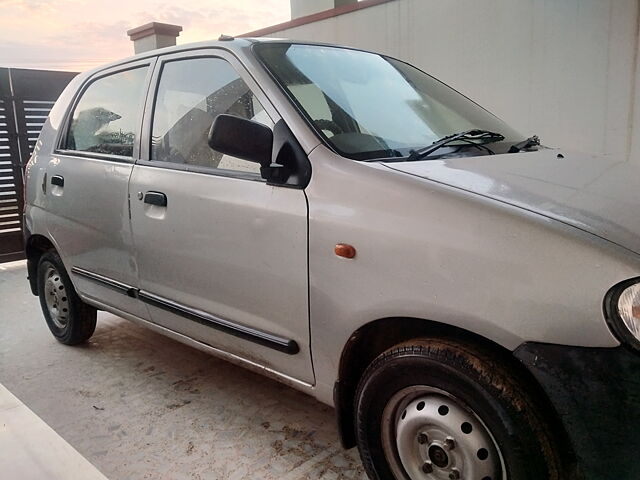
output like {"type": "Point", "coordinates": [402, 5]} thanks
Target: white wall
{"type": "Point", "coordinates": [566, 70]}
{"type": "Point", "coordinates": [634, 124]}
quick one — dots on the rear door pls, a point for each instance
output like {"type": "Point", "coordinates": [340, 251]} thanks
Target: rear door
{"type": "Point", "coordinates": [87, 186]}
{"type": "Point", "coordinates": [222, 256]}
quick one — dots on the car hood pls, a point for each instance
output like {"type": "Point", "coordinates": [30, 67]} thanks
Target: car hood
{"type": "Point", "coordinates": [597, 194]}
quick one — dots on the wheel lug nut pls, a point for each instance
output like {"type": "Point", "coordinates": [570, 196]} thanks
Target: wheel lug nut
{"type": "Point", "coordinates": [427, 467]}
{"type": "Point", "coordinates": [422, 438]}
{"type": "Point", "coordinates": [455, 474]}
{"type": "Point", "coordinates": [450, 443]}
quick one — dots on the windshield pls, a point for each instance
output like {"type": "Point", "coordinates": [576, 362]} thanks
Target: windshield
{"type": "Point", "coordinates": [369, 106]}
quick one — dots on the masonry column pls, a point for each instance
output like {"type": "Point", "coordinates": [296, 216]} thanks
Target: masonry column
{"type": "Point", "coordinates": [302, 8]}
{"type": "Point", "coordinates": [154, 35]}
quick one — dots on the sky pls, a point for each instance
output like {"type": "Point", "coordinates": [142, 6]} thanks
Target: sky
{"type": "Point", "coordinates": [77, 35]}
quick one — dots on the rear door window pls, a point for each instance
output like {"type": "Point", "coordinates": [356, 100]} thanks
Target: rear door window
{"type": "Point", "coordinates": [107, 116]}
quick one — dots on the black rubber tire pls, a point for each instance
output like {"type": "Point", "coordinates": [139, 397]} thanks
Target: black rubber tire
{"type": "Point", "coordinates": [471, 374]}
{"type": "Point", "coordinates": [82, 317]}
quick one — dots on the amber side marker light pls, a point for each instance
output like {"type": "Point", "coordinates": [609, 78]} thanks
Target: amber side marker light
{"type": "Point", "coordinates": [345, 250]}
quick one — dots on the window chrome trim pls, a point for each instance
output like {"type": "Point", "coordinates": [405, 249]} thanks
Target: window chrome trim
{"type": "Point", "coordinates": [95, 156]}
{"type": "Point", "coordinates": [218, 172]}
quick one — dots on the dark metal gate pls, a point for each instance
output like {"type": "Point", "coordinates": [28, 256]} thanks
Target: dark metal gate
{"type": "Point", "coordinates": [26, 97]}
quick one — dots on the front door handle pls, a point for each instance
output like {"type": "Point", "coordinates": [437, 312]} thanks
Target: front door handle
{"type": "Point", "coordinates": [155, 198]}
{"type": "Point", "coordinates": [57, 180]}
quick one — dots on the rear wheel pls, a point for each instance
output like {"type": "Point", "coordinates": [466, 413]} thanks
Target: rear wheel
{"type": "Point", "coordinates": [70, 320]}
{"type": "Point", "coordinates": [440, 410]}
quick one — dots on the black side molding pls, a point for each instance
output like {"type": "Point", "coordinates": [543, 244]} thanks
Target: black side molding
{"type": "Point", "coordinates": [247, 333]}
{"type": "Point", "coordinates": [275, 342]}
{"type": "Point", "coordinates": [107, 282]}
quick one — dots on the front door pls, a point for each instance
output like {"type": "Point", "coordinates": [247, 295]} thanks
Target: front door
{"type": "Point", "coordinates": [222, 256]}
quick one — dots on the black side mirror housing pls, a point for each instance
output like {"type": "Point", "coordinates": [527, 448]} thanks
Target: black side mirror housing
{"type": "Point", "coordinates": [292, 164]}
{"type": "Point", "coordinates": [242, 138]}
{"type": "Point", "coordinates": [282, 160]}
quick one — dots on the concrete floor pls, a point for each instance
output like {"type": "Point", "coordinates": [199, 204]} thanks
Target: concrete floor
{"type": "Point", "coordinates": [141, 406]}
{"type": "Point", "coordinates": [31, 450]}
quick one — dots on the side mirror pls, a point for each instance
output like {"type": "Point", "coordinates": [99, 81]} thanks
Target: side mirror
{"type": "Point", "coordinates": [242, 138]}
{"type": "Point", "coordinates": [282, 160]}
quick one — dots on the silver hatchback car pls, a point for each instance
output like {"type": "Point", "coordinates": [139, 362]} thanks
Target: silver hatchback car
{"type": "Point", "coordinates": [467, 299]}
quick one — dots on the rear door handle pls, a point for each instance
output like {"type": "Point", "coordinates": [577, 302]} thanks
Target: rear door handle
{"type": "Point", "coordinates": [155, 198]}
{"type": "Point", "coordinates": [57, 180]}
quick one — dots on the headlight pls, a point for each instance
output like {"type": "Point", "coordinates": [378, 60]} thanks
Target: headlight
{"type": "Point", "coordinates": [622, 309]}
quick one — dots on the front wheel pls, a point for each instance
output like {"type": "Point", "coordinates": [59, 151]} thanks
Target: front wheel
{"type": "Point", "coordinates": [70, 320]}
{"type": "Point", "coordinates": [440, 410]}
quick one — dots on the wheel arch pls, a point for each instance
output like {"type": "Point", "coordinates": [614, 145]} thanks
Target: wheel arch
{"type": "Point", "coordinates": [35, 246]}
{"type": "Point", "coordinates": [373, 338]}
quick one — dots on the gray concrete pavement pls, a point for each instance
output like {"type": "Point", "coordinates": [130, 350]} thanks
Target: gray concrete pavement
{"type": "Point", "coordinates": [141, 406]}
{"type": "Point", "coordinates": [31, 450]}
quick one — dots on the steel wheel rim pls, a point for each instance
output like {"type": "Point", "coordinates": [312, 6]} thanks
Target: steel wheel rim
{"type": "Point", "coordinates": [423, 438]}
{"type": "Point", "coordinates": [55, 295]}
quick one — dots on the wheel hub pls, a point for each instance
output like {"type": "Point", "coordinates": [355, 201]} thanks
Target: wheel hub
{"type": "Point", "coordinates": [431, 436]}
{"type": "Point", "coordinates": [438, 456]}
{"type": "Point", "coordinates": [56, 297]}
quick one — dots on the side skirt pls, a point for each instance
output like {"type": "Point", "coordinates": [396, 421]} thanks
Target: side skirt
{"type": "Point", "coordinates": [204, 347]}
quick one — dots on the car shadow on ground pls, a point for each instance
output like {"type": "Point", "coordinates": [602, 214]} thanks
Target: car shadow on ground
{"type": "Point", "coordinates": [233, 422]}
{"type": "Point", "coordinates": [139, 405]}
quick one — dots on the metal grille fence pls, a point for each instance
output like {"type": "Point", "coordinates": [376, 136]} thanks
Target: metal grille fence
{"type": "Point", "coordinates": [26, 97]}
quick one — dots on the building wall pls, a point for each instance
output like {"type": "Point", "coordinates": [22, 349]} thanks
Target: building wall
{"type": "Point", "coordinates": [566, 70]}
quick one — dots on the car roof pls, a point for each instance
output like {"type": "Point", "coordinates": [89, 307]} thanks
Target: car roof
{"type": "Point", "coordinates": [237, 45]}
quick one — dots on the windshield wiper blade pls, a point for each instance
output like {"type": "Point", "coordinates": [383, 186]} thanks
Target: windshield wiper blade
{"type": "Point", "coordinates": [483, 137]}
{"type": "Point", "coordinates": [525, 144]}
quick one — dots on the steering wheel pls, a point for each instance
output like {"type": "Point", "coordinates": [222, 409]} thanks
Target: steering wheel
{"type": "Point", "coordinates": [329, 125]}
